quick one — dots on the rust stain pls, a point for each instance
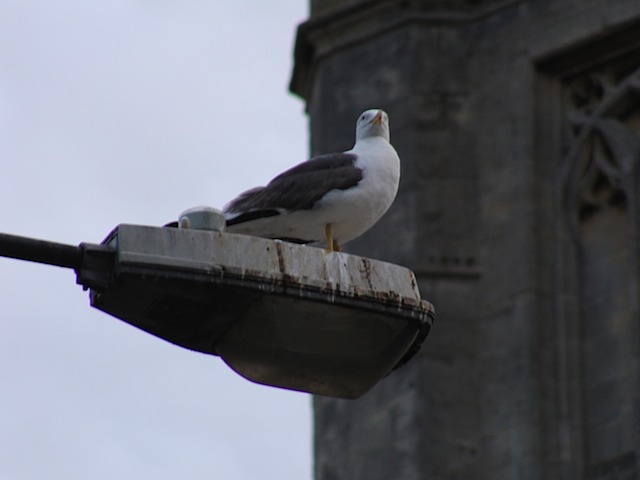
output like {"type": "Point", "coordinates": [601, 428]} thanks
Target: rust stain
{"type": "Point", "coordinates": [281, 264]}
{"type": "Point", "coordinates": [412, 277]}
{"type": "Point", "coordinates": [287, 278]}
{"type": "Point", "coordinates": [366, 271]}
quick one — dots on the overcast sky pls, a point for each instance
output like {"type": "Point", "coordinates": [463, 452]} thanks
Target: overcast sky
{"type": "Point", "coordinates": [131, 111]}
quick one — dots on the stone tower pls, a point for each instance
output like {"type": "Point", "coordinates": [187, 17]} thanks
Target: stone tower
{"type": "Point", "coordinates": [518, 124]}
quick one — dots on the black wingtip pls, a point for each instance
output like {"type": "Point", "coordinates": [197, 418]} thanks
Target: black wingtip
{"type": "Point", "coordinates": [254, 215]}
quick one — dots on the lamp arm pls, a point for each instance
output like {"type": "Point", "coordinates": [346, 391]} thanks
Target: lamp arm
{"type": "Point", "coordinates": [40, 251]}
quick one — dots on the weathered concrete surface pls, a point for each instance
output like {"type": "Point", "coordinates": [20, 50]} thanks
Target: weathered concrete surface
{"type": "Point", "coordinates": [269, 261]}
{"type": "Point", "coordinates": [516, 123]}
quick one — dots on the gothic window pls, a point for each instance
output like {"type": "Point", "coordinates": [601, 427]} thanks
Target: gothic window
{"type": "Point", "coordinates": [601, 144]}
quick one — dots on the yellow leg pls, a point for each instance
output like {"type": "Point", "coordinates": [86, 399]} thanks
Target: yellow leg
{"type": "Point", "coordinates": [332, 244]}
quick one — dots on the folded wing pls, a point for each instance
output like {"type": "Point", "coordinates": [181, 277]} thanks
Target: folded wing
{"type": "Point", "coordinates": [298, 188]}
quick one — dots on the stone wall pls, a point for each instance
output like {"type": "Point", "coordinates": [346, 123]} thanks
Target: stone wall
{"type": "Point", "coordinates": [518, 125]}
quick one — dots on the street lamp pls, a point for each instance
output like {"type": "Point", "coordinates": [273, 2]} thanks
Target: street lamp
{"type": "Point", "coordinates": [277, 313]}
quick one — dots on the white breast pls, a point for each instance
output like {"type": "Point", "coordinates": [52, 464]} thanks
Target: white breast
{"type": "Point", "coordinates": [352, 212]}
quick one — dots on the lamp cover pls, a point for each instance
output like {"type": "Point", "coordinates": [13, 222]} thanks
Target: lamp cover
{"type": "Point", "coordinates": [277, 313]}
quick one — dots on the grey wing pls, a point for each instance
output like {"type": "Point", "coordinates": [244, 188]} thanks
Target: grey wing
{"type": "Point", "coordinates": [298, 188]}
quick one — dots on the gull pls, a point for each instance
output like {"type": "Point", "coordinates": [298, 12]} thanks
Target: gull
{"type": "Point", "coordinates": [331, 198]}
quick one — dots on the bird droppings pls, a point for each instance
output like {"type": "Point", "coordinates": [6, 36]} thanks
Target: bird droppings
{"type": "Point", "coordinates": [283, 266]}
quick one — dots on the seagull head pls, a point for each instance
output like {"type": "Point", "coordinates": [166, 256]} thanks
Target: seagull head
{"type": "Point", "coordinates": [373, 123]}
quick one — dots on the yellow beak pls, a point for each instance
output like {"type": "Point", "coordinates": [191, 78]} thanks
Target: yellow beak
{"type": "Point", "coordinates": [378, 118]}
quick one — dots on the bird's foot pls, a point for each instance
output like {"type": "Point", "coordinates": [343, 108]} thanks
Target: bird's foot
{"type": "Point", "coordinates": [332, 243]}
